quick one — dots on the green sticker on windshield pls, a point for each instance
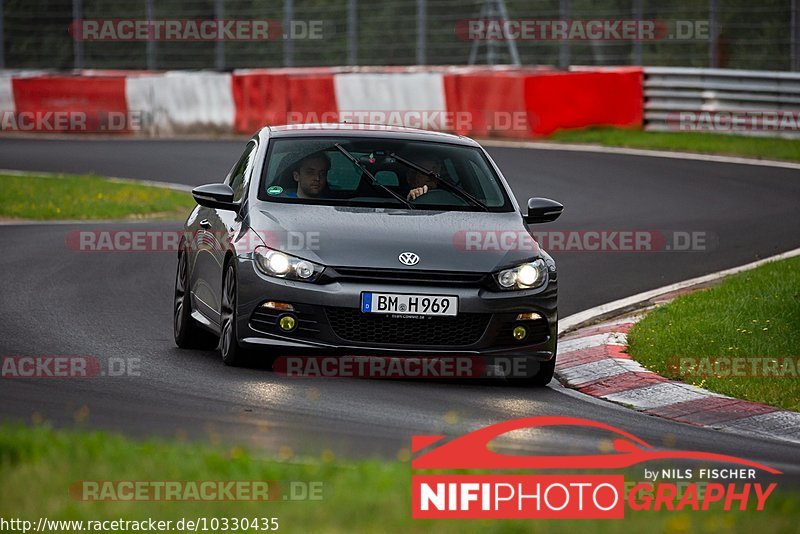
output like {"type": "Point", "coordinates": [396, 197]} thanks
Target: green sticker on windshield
{"type": "Point", "coordinates": [275, 190]}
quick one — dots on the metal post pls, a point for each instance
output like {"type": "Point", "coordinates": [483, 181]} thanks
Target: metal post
{"type": "Point", "coordinates": [795, 35]}
{"type": "Point", "coordinates": [512, 44]}
{"type": "Point", "coordinates": [473, 51]}
{"type": "Point", "coordinates": [77, 41]}
{"type": "Point", "coordinates": [713, 38]}
{"type": "Point", "coordinates": [494, 10]}
{"type": "Point", "coordinates": [352, 32]}
{"type": "Point", "coordinates": [151, 41]}
{"type": "Point", "coordinates": [288, 44]}
{"type": "Point", "coordinates": [564, 51]}
{"type": "Point", "coordinates": [638, 14]}
{"type": "Point", "coordinates": [491, 44]}
{"type": "Point", "coordinates": [422, 26]}
{"type": "Point", "coordinates": [219, 14]}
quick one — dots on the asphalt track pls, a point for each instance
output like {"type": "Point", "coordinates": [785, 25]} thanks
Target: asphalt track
{"type": "Point", "coordinates": [58, 301]}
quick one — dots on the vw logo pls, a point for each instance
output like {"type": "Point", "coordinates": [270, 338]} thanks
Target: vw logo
{"type": "Point", "coordinates": [408, 258]}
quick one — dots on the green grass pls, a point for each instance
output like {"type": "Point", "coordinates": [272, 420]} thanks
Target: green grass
{"type": "Point", "coordinates": [38, 465]}
{"type": "Point", "coordinates": [752, 314]}
{"type": "Point", "coordinates": [704, 143]}
{"type": "Point", "coordinates": [86, 197]}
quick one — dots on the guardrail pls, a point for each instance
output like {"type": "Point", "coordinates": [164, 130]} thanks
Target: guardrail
{"type": "Point", "coordinates": [748, 102]}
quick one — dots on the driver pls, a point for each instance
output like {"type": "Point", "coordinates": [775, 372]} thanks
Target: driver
{"type": "Point", "coordinates": [311, 175]}
{"type": "Point", "coordinates": [421, 183]}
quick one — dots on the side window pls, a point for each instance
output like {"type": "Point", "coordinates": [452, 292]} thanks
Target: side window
{"type": "Point", "coordinates": [240, 177]}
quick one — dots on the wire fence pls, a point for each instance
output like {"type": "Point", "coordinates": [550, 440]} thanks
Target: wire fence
{"type": "Point", "coordinates": [91, 34]}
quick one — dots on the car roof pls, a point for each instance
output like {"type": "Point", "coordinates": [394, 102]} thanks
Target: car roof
{"type": "Point", "coordinates": [365, 130]}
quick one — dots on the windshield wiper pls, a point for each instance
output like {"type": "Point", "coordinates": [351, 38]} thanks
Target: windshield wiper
{"type": "Point", "coordinates": [436, 176]}
{"type": "Point", "coordinates": [374, 181]}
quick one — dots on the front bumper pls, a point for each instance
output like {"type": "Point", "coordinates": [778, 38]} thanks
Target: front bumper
{"type": "Point", "coordinates": [330, 321]}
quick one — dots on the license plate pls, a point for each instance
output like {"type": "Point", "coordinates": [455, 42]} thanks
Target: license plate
{"type": "Point", "coordinates": [409, 304]}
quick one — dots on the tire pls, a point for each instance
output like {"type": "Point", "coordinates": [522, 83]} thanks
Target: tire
{"type": "Point", "coordinates": [232, 354]}
{"type": "Point", "coordinates": [188, 333]}
{"type": "Point", "coordinates": [545, 375]}
{"type": "Point", "coordinates": [546, 371]}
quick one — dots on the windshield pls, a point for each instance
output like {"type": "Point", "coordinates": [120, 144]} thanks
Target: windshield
{"type": "Point", "coordinates": [381, 173]}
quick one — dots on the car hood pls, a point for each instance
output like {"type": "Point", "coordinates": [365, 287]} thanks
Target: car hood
{"type": "Point", "coordinates": [375, 237]}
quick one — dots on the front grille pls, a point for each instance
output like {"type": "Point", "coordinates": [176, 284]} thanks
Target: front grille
{"type": "Point", "coordinates": [409, 276]}
{"type": "Point", "coordinates": [352, 325]}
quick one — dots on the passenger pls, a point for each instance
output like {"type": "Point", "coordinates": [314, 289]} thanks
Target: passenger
{"type": "Point", "coordinates": [420, 183]}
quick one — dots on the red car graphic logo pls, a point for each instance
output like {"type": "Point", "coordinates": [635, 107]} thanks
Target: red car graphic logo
{"type": "Point", "coordinates": [470, 451]}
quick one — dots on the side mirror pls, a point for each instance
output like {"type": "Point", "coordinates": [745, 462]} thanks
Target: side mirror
{"type": "Point", "coordinates": [215, 196]}
{"type": "Point", "coordinates": [542, 210]}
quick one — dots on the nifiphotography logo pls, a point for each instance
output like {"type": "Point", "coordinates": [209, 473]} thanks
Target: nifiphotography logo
{"type": "Point", "coordinates": [730, 484]}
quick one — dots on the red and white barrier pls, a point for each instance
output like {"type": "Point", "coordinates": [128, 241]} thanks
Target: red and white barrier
{"type": "Point", "coordinates": [6, 95]}
{"type": "Point", "coordinates": [182, 102]}
{"type": "Point", "coordinates": [494, 103]}
{"type": "Point", "coordinates": [259, 98]}
{"type": "Point", "coordinates": [312, 94]}
{"type": "Point", "coordinates": [415, 99]}
{"type": "Point", "coordinates": [563, 100]}
{"type": "Point", "coordinates": [476, 101]}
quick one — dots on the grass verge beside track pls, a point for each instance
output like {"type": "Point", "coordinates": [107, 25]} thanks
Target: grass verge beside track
{"type": "Point", "coordinates": [698, 142]}
{"type": "Point", "coordinates": [752, 315]}
{"type": "Point", "coordinates": [38, 465]}
{"type": "Point", "coordinates": [87, 197]}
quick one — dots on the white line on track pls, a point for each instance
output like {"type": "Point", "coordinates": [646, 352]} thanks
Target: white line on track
{"type": "Point", "coordinates": [586, 316]}
{"type": "Point", "coordinates": [600, 149]}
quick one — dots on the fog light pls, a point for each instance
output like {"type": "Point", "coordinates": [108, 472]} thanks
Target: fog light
{"type": "Point", "coordinates": [278, 305]}
{"type": "Point", "coordinates": [287, 323]}
{"type": "Point", "coordinates": [530, 316]}
{"type": "Point", "coordinates": [520, 333]}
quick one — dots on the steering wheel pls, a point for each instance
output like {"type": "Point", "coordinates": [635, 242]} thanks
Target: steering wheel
{"type": "Point", "coordinates": [439, 196]}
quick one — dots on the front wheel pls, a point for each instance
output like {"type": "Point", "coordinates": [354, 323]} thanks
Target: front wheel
{"type": "Point", "coordinates": [232, 354]}
{"type": "Point", "coordinates": [188, 333]}
{"type": "Point", "coordinates": [543, 377]}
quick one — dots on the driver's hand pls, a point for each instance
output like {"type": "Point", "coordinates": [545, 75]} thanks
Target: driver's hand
{"type": "Point", "coordinates": [418, 192]}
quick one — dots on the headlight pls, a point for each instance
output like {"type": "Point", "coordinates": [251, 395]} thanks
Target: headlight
{"type": "Point", "coordinates": [276, 263]}
{"type": "Point", "coordinates": [525, 276]}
